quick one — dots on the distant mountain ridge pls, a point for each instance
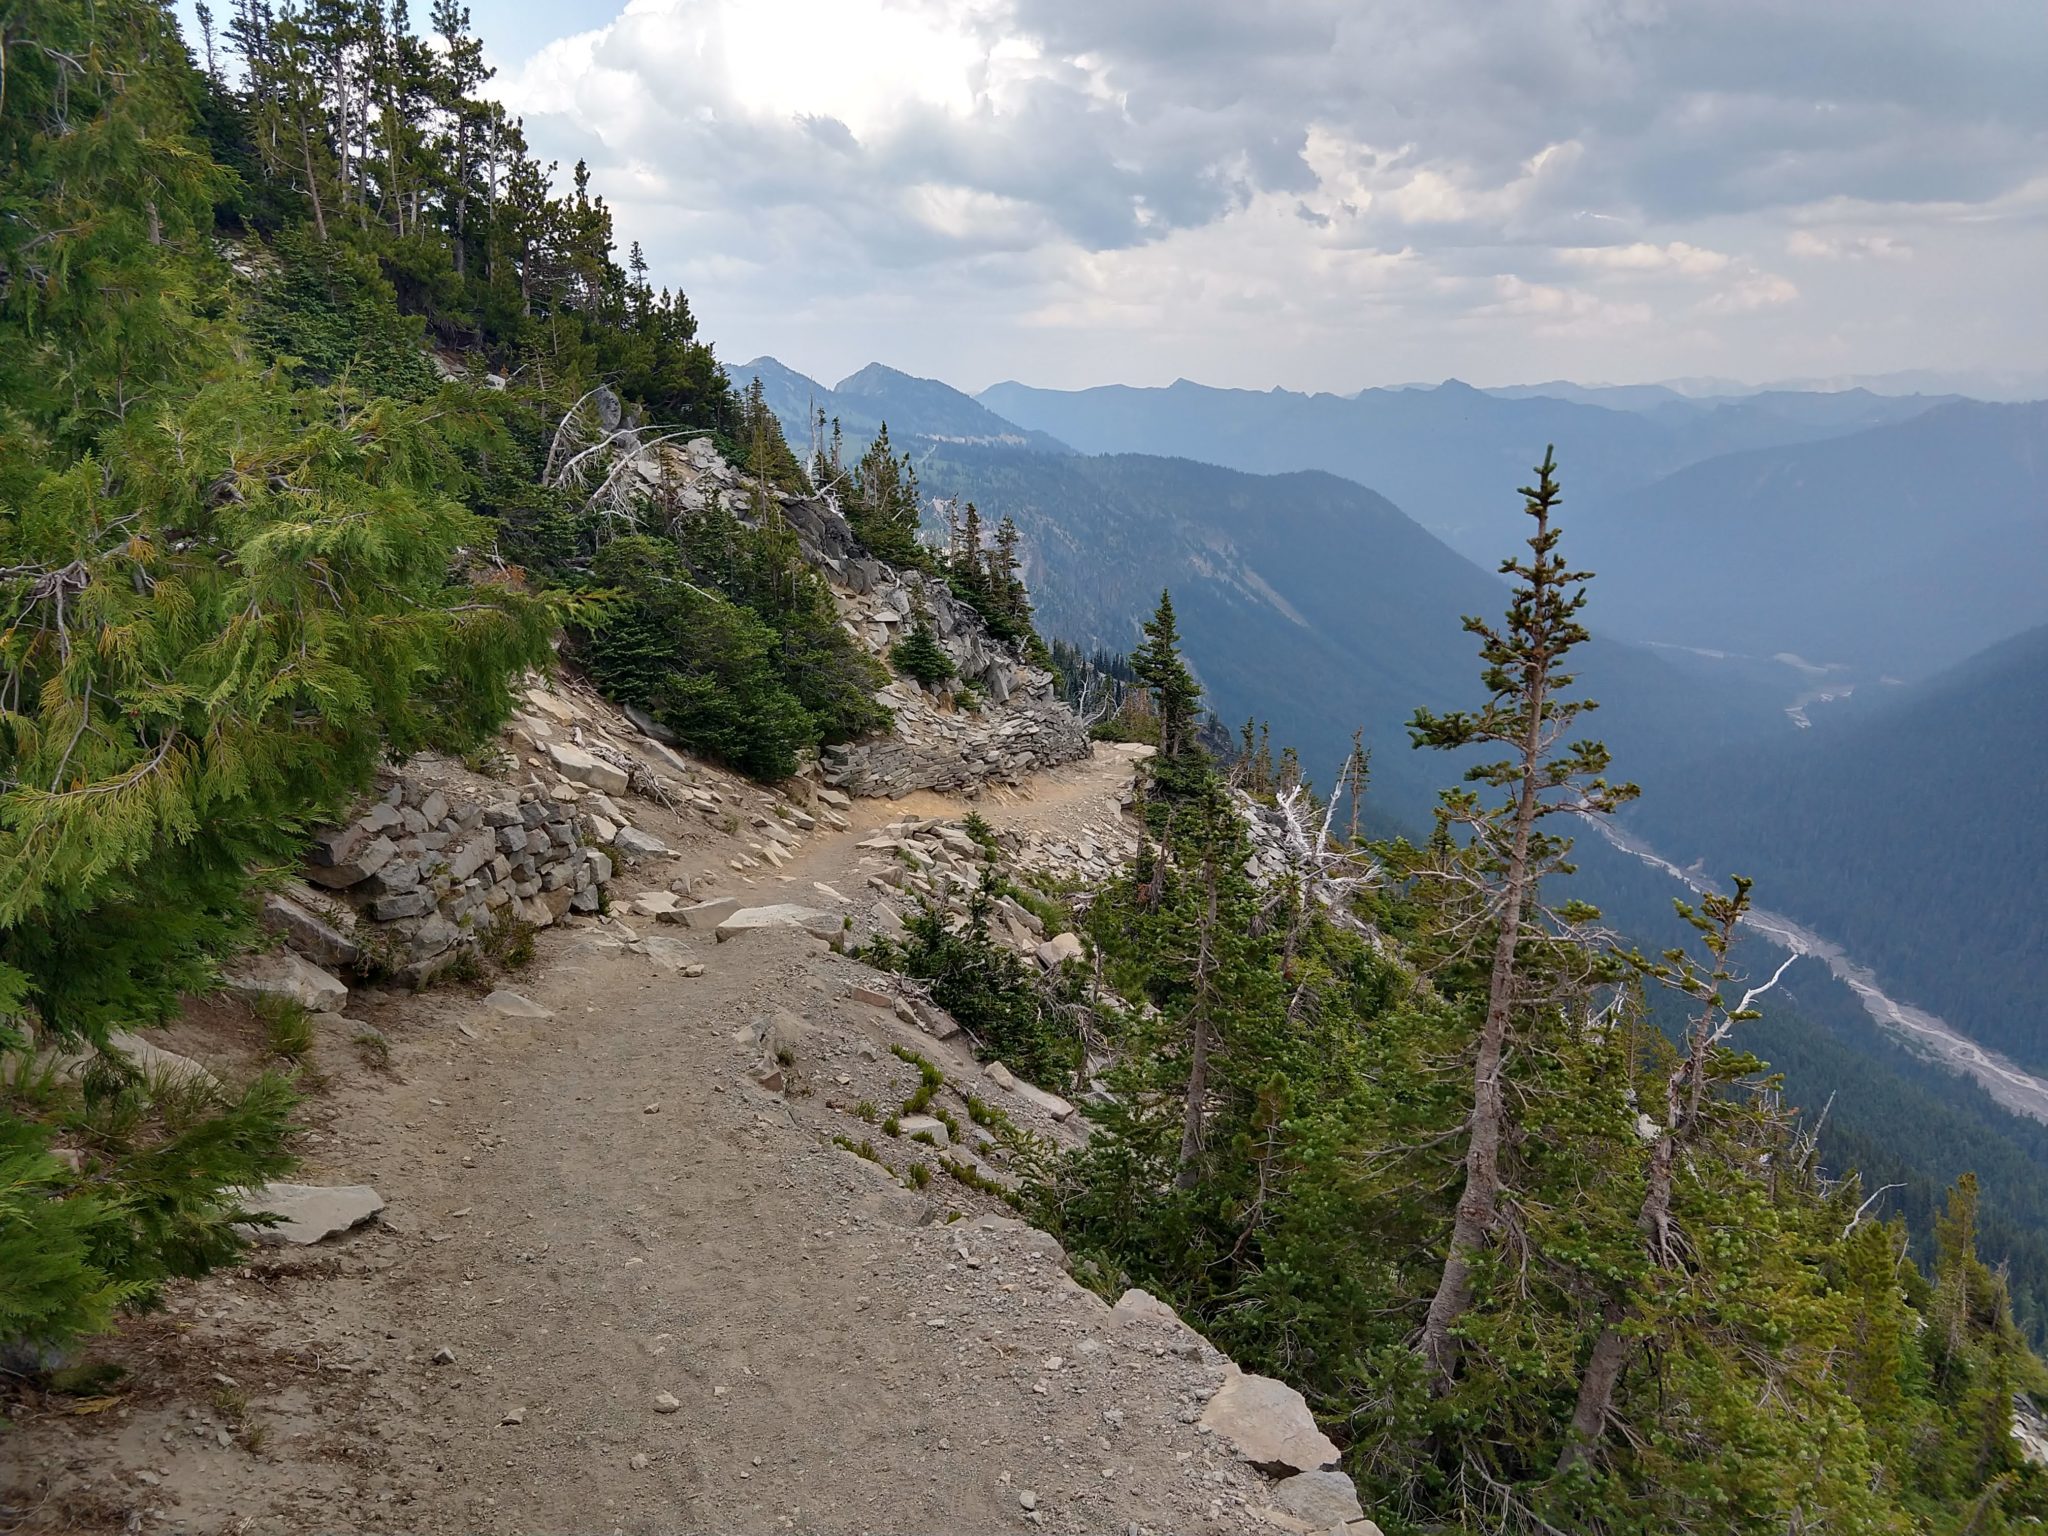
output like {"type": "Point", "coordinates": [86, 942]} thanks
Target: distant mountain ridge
{"type": "Point", "coordinates": [917, 411]}
{"type": "Point", "coordinates": [1449, 456]}
{"type": "Point", "coordinates": [1307, 600]}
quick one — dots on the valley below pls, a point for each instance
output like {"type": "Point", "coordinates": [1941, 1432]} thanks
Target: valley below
{"type": "Point", "coordinates": [1923, 1033]}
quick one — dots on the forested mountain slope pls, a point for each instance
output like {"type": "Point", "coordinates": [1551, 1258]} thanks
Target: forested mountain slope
{"type": "Point", "coordinates": [1902, 548]}
{"type": "Point", "coordinates": [1908, 832]}
{"type": "Point", "coordinates": [320, 427]}
{"type": "Point", "coordinates": [1311, 602]}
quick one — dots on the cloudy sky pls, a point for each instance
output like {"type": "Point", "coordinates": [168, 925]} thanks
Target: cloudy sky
{"type": "Point", "coordinates": [1322, 194]}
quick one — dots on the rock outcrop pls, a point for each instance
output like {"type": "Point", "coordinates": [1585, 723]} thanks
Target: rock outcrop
{"type": "Point", "coordinates": [1019, 726]}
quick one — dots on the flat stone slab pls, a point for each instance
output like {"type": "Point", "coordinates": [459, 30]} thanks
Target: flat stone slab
{"type": "Point", "coordinates": [510, 1005]}
{"type": "Point", "coordinates": [670, 954]}
{"type": "Point", "coordinates": [704, 914]}
{"type": "Point", "coordinates": [828, 926]}
{"type": "Point", "coordinates": [1268, 1423]}
{"type": "Point", "coordinates": [581, 767]}
{"type": "Point", "coordinates": [1051, 1103]}
{"type": "Point", "coordinates": [310, 1212]}
{"type": "Point", "coordinates": [154, 1060]}
{"type": "Point", "coordinates": [925, 1125]}
{"type": "Point", "coordinates": [1319, 1499]}
{"type": "Point", "coordinates": [644, 845]}
{"type": "Point", "coordinates": [287, 975]}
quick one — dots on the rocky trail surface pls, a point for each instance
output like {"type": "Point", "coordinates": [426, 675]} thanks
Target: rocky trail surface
{"type": "Point", "coordinates": [624, 1277]}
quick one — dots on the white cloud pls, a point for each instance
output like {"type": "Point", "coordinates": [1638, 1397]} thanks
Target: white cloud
{"type": "Point", "coordinates": [1806, 244]}
{"type": "Point", "coordinates": [1641, 256]}
{"type": "Point", "coordinates": [1315, 192]}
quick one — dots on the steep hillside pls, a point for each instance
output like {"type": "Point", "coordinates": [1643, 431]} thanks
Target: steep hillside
{"type": "Point", "coordinates": [1903, 548]}
{"type": "Point", "coordinates": [1447, 455]}
{"type": "Point", "coordinates": [1307, 600]}
{"type": "Point", "coordinates": [1908, 833]}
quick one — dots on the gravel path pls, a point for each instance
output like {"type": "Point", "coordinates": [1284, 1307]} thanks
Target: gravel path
{"type": "Point", "coordinates": [620, 1285]}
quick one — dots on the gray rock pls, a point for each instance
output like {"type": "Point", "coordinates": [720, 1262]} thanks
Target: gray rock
{"type": "Point", "coordinates": [705, 914]}
{"type": "Point", "coordinates": [365, 861]}
{"type": "Point", "coordinates": [472, 856]}
{"type": "Point", "coordinates": [416, 902]}
{"type": "Point", "coordinates": [581, 767]}
{"type": "Point", "coordinates": [925, 1125]}
{"type": "Point", "coordinates": [284, 974]}
{"type": "Point", "coordinates": [1136, 1306]}
{"type": "Point", "coordinates": [510, 1005]}
{"type": "Point", "coordinates": [316, 934]}
{"type": "Point", "coordinates": [1268, 1423]}
{"type": "Point", "coordinates": [152, 1059]}
{"type": "Point", "coordinates": [1321, 1499]}
{"type": "Point", "coordinates": [1051, 1103]}
{"type": "Point", "coordinates": [644, 845]}
{"type": "Point", "coordinates": [309, 1212]}
{"type": "Point", "coordinates": [650, 727]}
{"type": "Point", "coordinates": [670, 954]}
{"type": "Point", "coordinates": [828, 926]}
{"type": "Point", "coordinates": [1058, 949]}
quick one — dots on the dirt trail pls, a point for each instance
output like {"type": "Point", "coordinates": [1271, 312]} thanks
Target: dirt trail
{"type": "Point", "coordinates": [593, 1209]}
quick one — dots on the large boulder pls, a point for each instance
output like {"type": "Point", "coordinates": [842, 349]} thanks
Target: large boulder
{"type": "Point", "coordinates": [1268, 1423]}
{"type": "Point", "coordinates": [1059, 949]}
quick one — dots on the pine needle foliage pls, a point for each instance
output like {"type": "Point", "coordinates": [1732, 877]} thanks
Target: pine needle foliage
{"type": "Point", "coordinates": [228, 594]}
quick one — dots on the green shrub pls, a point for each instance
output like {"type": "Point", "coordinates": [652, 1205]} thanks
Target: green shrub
{"type": "Point", "coordinates": [989, 989]}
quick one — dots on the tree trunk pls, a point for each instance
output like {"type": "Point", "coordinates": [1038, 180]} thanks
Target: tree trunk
{"type": "Point", "coordinates": [1198, 1053]}
{"type": "Point", "coordinates": [312, 183]}
{"type": "Point", "coordinates": [1683, 1090]}
{"type": "Point", "coordinates": [1191, 1117]}
{"type": "Point", "coordinates": [1479, 1204]}
{"type": "Point", "coordinates": [1604, 1368]}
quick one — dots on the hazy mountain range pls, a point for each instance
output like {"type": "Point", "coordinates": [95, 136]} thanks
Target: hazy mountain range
{"type": "Point", "coordinates": [1817, 648]}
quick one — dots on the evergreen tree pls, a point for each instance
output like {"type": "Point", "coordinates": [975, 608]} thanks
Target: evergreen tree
{"type": "Point", "coordinates": [919, 656]}
{"type": "Point", "coordinates": [886, 506]}
{"type": "Point", "coordinates": [231, 597]}
{"type": "Point", "coordinates": [1181, 766]}
{"type": "Point", "coordinates": [1526, 714]}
